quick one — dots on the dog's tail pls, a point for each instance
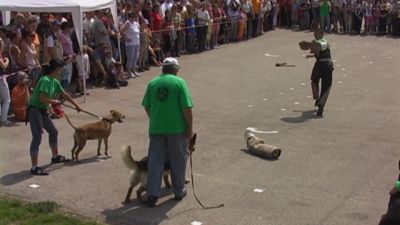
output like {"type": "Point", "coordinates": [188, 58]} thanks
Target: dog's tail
{"type": "Point", "coordinates": [66, 117]}
{"type": "Point", "coordinates": [127, 157]}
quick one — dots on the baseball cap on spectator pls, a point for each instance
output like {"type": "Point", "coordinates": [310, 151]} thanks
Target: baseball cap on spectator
{"type": "Point", "coordinates": [171, 62]}
{"type": "Point", "coordinates": [55, 23]}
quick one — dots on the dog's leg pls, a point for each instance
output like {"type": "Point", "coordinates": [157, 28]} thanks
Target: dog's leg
{"type": "Point", "coordinates": [139, 194]}
{"type": "Point", "coordinates": [128, 195]}
{"type": "Point", "coordinates": [99, 146]}
{"type": "Point", "coordinates": [74, 148]}
{"type": "Point", "coordinates": [106, 146]}
{"type": "Point", "coordinates": [80, 147]}
{"type": "Point", "coordinates": [135, 181]}
{"type": "Point", "coordinates": [166, 180]}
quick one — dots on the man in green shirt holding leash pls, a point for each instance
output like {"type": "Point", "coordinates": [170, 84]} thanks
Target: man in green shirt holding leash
{"type": "Point", "coordinates": [168, 104]}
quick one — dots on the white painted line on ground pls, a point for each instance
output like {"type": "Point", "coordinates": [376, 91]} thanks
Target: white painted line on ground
{"type": "Point", "coordinates": [269, 55]}
{"type": "Point", "coordinates": [283, 109]}
{"type": "Point", "coordinates": [130, 209]}
{"type": "Point", "coordinates": [303, 84]}
{"type": "Point", "coordinates": [296, 103]}
{"type": "Point", "coordinates": [339, 82]}
{"type": "Point", "coordinates": [196, 223]}
{"type": "Point", "coordinates": [258, 190]}
{"type": "Point", "coordinates": [255, 130]}
{"type": "Point", "coordinates": [34, 186]}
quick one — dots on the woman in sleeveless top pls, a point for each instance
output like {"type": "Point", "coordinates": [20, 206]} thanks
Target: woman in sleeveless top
{"type": "Point", "coordinates": [30, 56]}
{"type": "Point", "coordinates": [15, 52]}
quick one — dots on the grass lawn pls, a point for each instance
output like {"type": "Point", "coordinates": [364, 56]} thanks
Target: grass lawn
{"type": "Point", "coordinates": [14, 212]}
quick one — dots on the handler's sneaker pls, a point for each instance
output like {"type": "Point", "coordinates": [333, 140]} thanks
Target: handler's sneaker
{"type": "Point", "coordinates": [151, 201]}
{"type": "Point", "coordinates": [179, 198]}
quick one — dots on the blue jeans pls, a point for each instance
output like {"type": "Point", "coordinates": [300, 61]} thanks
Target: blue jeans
{"type": "Point", "coordinates": [4, 99]}
{"type": "Point", "coordinates": [39, 120]}
{"type": "Point", "coordinates": [163, 148]}
{"type": "Point", "coordinates": [66, 75]}
{"type": "Point", "coordinates": [132, 55]}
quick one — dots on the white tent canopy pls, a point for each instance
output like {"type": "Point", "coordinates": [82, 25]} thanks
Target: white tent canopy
{"type": "Point", "coordinates": [75, 7]}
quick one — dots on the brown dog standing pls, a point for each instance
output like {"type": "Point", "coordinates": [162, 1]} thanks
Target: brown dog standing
{"type": "Point", "coordinates": [100, 130]}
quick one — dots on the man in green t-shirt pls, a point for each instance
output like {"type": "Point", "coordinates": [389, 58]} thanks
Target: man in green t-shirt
{"type": "Point", "coordinates": [168, 104]}
{"type": "Point", "coordinates": [325, 16]}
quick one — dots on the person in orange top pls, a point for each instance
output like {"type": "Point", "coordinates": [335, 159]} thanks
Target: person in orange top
{"type": "Point", "coordinates": [32, 24]}
{"type": "Point", "coordinates": [20, 96]}
{"type": "Point", "coordinates": [256, 16]}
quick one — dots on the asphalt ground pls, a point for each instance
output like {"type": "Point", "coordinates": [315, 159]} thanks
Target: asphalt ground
{"type": "Point", "coordinates": [333, 170]}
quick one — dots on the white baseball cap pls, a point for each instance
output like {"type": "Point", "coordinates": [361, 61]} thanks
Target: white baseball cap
{"type": "Point", "coordinates": [171, 62]}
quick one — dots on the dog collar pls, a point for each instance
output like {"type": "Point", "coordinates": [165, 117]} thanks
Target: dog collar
{"type": "Point", "coordinates": [105, 119]}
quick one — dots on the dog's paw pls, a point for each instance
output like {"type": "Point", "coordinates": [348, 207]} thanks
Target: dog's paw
{"type": "Point", "coordinates": [126, 202]}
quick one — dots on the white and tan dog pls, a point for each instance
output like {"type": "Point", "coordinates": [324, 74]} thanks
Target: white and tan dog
{"type": "Point", "coordinates": [139, 173]}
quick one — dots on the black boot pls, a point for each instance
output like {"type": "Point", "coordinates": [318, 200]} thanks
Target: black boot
{"type": "Point", "coordinates": [320, 110]}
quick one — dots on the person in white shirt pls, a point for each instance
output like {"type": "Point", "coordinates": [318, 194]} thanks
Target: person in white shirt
{"type": "Point", "coordinates": [167, 5]}
{"type": "Point", "coordinates": [203, 17]}
{"type": "Point", "coordinates": [131, 32]}
{"type": "Point", "coordinates": [83, 66]}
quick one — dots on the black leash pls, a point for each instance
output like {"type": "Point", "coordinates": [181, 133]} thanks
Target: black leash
{"type": "Point", "coordinates": [192, 142]}
{"type": "Point", "coordinates": [84, 111]}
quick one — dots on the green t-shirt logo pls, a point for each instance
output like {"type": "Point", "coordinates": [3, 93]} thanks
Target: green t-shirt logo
{"type": "Point", "coordinates": [162, 94]}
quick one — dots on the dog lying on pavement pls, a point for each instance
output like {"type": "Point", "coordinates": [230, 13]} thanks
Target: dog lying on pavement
{"type": "Point", "coordinates": [100, 131]}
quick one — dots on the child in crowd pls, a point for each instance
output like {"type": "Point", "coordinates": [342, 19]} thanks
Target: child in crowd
{"type": "Point", "coordinates": [83, 67]}
{"type": "Point", "coordinates": [145, 35]}
{"type": "Point", "coordinates": [20, 96]}
{"type": "Point", "coordinates": [242, 25]}
{"type": "Point", "coordinates": [115, 77]}
{"type": "Point", "coordinates": [368, 18]}
{"type": "Point", "coordinates": [109, 61]}
{"type": "Point", "coordinates": [295, 14]}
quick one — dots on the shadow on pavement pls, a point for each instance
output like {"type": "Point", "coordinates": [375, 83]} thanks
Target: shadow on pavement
{"type": "Point", "coordinates": [305, 115]}
{"type": "Point", "coordinates": [15, 178]}
{"type": "Point", "coordinates": [138, 213]}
